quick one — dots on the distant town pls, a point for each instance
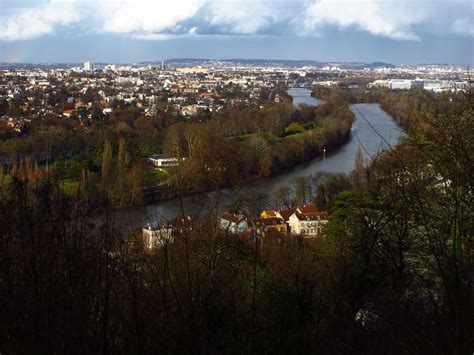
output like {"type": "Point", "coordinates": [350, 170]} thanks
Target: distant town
{"type": "Point", "coordinates": [189, 87]}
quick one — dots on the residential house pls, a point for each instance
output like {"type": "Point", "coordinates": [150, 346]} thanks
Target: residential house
{"type": "Point", "coordinates": [190, 110]}
{"type": "Point", "coordinates": [286, 214]}
{"type": "Point", "coordinates": [268, 214]}
{"type": "Point", "coordinates": [156, 235]}
{"type": "Point", "coordinates": [233, 223]}
{"type": "Point", "coordinates": [307, 221]}
{"type": "Point", "coordinates": [68, 113]}
{"type": "Point", "coordinates": [273, 222]}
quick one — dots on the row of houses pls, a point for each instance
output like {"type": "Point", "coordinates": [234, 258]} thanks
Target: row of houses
{"type": "Point", "coordinates": [306, 221]}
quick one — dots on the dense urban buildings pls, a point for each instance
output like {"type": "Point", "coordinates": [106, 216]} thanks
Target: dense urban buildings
{"type": "Point", "coordinates": [208, 86]}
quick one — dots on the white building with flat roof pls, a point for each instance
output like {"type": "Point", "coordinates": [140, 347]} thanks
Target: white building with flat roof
{"type": "Point", "coordinates": [162, 160]}
{"type": "Point", "coordinates": [400, 84]}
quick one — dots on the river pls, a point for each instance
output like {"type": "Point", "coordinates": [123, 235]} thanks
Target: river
{"type": "Point", "coordinates": [371, 124]}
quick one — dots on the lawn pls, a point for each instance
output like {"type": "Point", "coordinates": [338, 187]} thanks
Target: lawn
{"type": "Point", "coordinates": [69, 186]}
{"type": "Point", "coordinates": [160, 174]}
{"type": "Point", "coordinates": [5, 180]}
{"type": "Point", "coordinates": [290, 131]}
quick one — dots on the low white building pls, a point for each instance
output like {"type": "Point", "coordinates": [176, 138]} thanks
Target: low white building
{"type": "Point", "coordinates": [162, 161]}
{"type": "Point", "coordinates": [378, 84]}
{"type": "Point", "coordinates": [400, 84]}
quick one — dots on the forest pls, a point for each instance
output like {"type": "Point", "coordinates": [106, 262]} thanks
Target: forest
{"type": "Point", "coordinates": [391, 275]}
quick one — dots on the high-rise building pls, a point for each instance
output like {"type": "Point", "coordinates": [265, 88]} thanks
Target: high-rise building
{"type": "Point", "coordinates": [89, 66]}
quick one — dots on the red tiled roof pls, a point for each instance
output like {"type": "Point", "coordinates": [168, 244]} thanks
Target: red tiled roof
{"type": "Point", "coordinates": [205, 94]}
{"type": "Point", "coordinates": [309, 209]}
{"type": "Point", "coordinates": [286, 214]}
{"type": "Point", "coordinates": [232, 217]}
{"type": "Point", "coordinates": [312, 216]}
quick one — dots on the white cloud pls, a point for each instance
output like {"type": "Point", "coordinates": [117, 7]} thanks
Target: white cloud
{"type": "Point", "coordinates": [146, 17]}
{"type": "Point", "coordinates": [152, 36]}
{"type": "Point", "coordinates": [386, 18]}
{"type": "Point", "coordinates": [463, 26]}
{"type": "Point", "coordinates": [37, 21]}
{"type": "Point", "coordinates": [164, 36]}
{"type": "Point", "coordinates": [244, 17]}
{"type": "Point", "coordinates": [165, 19]}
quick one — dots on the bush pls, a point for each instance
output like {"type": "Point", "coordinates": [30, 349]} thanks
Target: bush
{"type": "Point", "coordinates": [293, 128]}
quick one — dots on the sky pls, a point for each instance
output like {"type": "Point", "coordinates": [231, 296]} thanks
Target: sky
{"type": "Point", "coordinates": [127, 31]}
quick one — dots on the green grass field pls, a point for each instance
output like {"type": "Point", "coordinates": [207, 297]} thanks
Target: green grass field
{"type": "Point", "coordinates": [69, 186]}
{"type": "Point", "coordinates": [308, 127]}
{"type": "Point", "coordinates": [160, 174]}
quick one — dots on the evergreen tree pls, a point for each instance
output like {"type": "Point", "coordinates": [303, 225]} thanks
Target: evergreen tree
{"type": "Point", "coordinates": [106, 172]}
{"type": "Point", "coordinates": [123, 160]}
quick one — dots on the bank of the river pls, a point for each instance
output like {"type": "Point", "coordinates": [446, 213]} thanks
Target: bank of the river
{"type": "Point", "coordinates": [368, 117]}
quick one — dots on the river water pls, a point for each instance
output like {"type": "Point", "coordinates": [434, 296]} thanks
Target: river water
{"type": "Point", "coordinates": [372, 130]}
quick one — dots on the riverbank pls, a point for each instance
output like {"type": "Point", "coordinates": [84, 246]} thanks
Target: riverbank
{"type": "Point", "coordinates": [168, 193]}
{"type": "Point", "coordinates": [406, 107]}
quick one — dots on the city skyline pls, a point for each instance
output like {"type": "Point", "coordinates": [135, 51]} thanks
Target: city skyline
{"type": "Point", "coordinates": [72, 31]}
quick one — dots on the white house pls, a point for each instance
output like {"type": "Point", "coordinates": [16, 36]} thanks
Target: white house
{"type": "Point", "coordinates": [156, 235]}
{"type": "Point", "coordinates": [233, 223]}
{"type": "Point", "coordinates": [190, 110]}
{"type": "Point", "coordinates": [307, 221]}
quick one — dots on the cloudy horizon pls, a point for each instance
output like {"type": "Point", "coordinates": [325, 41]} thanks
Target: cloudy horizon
{"type": "Point", "coordinates": [400, 32]}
